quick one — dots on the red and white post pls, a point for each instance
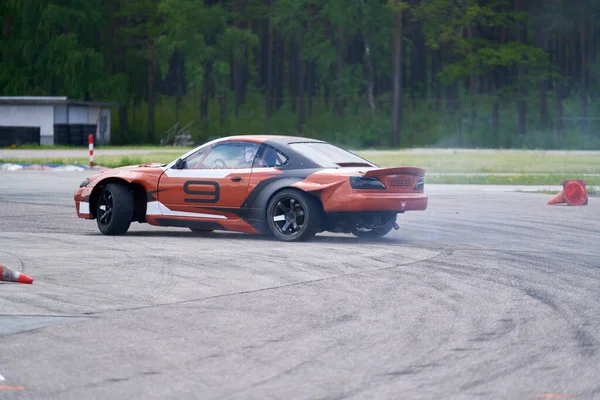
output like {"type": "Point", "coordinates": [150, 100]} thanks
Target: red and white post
{"type": "Point", "coordinates": [91, 146]}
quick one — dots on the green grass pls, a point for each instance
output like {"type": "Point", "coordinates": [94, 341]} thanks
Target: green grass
{"type": "Point", "coordinates": [513, 163]}
{"type": "Point", "coordinates": [453, 168]}
{"type": "Point", "coordinates": [466, 179]}
{"type": "Point", "coordinates": [493, 163]}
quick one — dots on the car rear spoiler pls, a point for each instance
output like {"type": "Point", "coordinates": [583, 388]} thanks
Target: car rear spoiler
{"type": "Point", "coordinates": [381, 172]}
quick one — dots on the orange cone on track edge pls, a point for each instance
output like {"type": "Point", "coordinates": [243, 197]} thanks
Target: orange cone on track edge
{"type": "Point", "coordinates": [558, 198]}
{"type": "Point", "coordinates": [574, 193]}
{"type": "Point", "coordinates": [9, 275]}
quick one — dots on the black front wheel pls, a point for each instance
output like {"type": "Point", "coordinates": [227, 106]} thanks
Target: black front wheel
{"type": "Point", "coordinates": [114, 210]}
{"type": "Point", "coordinates": [293, 215]}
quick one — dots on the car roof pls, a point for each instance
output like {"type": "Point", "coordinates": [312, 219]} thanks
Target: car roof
{"type": "Point", "coordinates": [279, 139]}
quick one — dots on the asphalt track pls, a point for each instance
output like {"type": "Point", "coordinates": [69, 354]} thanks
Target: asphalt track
{"type": "Point", "coordinates": [487, 294]}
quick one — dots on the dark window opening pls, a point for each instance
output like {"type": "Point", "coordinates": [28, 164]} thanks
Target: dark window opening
{"type": "Point", "coordinates": [19, 135]}
{"type": "Point", "coordinates": [73, 135]}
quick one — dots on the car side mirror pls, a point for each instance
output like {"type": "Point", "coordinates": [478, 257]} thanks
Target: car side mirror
{"type": "Point", "coordinates": [180, 164]}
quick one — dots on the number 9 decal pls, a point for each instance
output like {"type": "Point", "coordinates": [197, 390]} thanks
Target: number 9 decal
{"type": "Point", "coordinates": [210, 196]}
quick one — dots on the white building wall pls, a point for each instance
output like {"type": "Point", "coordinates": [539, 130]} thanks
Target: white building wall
{"type": "Point", "coordinates": [30, 116]}
{"type": "Point", "coordinates": [78, 115]}
{"type": "Point", "coordinates": [60, 114]}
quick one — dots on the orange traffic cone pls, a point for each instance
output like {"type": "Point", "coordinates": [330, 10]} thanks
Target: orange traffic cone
{"type": "Point", "coordinates": [558, 198]}
{"type": "Point", "coordinates": [574, 194]}
{"type": "Point", "coordinates": [9, 275]}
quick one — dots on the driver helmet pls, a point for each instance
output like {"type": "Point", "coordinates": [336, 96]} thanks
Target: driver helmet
{"type": "Point", "coordinates": [249, 153]}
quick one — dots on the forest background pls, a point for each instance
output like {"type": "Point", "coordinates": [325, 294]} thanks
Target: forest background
{"type": "Point", "coordinates": [359, 73]}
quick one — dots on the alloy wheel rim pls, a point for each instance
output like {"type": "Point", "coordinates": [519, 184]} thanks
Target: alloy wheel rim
{"type": "Point", "coordinates": [288, 216]}
{"type": "Point", "coordinates": [105, 207]}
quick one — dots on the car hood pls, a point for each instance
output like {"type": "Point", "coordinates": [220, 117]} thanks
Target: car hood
{"type": "Point", "coordinates": [129, 172]}
{"type": "Point", "coordinates": [139, 166]}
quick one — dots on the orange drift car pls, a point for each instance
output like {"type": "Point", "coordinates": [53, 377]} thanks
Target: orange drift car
{"type": "Point", "coordinates": [290, 187]}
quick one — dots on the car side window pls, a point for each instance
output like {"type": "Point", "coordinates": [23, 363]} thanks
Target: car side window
{"type": "Point", "coordinates": [270, 158]}
{"type": "Point", "coordinates": [193, 160]}
{"type": "Point", "coordinates": [226, 156]}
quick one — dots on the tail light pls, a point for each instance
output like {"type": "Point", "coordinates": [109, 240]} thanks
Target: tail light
{"type": "Point", "coordinates": [420, 184]}
{"type": "Point", "coordinates": [366, 182]}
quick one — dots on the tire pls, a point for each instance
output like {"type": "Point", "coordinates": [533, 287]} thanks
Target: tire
{"type": "Point", "coordinates": [299, 225]}
{"type": "Point", "coordinates": [116, 199]}
{"type": "Point", "coordinates": [373, 232]}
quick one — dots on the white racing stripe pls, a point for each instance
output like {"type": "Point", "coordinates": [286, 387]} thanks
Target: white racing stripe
{"type": "Point", "coordinates": [158, 208]}
{"type": "Point", "coordinates": [211, 173]}
{"type": "Point", "coordinates": [84, 207]}
{"type": "Point", "coordinates": [153, 208]}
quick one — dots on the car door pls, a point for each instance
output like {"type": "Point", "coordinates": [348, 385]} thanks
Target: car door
{"type": "Point", "coordinates": [211, 183]}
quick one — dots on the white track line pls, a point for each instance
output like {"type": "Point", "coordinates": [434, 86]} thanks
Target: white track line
{"type": "Point", "coordinates": [2, 378]}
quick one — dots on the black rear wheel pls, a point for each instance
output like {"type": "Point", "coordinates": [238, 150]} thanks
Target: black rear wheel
{"type": "Point", "coordinates": [293, 215]}
{"type": "Point", "coordinates": [114, 210]}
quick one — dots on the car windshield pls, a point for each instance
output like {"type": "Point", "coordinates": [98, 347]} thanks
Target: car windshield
{"type": "Point", "coordinates": [329, 155]}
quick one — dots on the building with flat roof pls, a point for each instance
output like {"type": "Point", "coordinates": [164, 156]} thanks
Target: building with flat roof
{"type": "Point", "coordinates": [53, 121]}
